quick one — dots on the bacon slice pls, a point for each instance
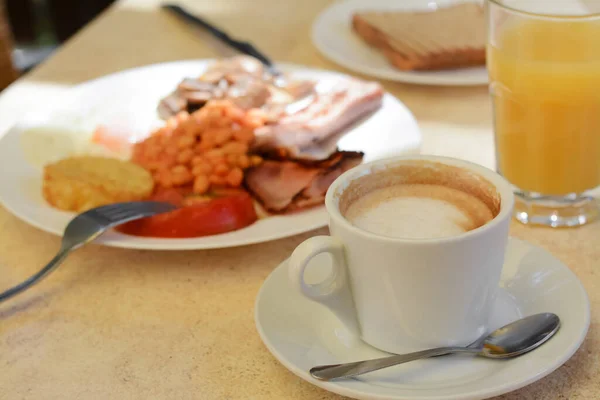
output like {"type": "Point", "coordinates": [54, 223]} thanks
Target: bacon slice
{"type": "Point", "coordinates": [276, 183]}
{"type": "Point", "coordinates": [306, 134]}
{"type": "Point", "coordinates": [283, 185]}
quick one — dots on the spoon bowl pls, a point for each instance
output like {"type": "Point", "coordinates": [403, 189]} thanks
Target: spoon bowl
{"type": "Point", "coordinates": [521, 336]}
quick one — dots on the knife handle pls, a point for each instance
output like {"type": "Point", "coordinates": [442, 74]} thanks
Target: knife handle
{"type": "Point", "coordinates": [243, 47]}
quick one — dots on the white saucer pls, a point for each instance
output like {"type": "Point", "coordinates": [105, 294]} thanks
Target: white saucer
{"type": "Point", "coordinates": [333, 36]}
{"type": "Point", "coordinates": [302, 334]}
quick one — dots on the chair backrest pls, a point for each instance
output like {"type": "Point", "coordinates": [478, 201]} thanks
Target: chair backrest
{"type": "Point", "coordinates": [7, 70]}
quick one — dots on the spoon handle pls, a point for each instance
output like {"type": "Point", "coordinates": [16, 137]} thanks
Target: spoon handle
{"type": "Point", "coordinates": [329, 372]}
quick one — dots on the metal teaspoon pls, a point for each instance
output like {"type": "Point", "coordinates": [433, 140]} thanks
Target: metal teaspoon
{"type": "Point", "coordinates": [511, 340]}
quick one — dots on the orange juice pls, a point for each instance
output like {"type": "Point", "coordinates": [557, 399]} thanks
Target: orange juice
{"type": "Point", "coordinates": [545, 84]}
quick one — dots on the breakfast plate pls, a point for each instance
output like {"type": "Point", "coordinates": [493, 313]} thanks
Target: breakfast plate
{"type": "Point", "coordinates": [301, 334]}
{"type": "Point", "coordinates": [126, 102]}
{"type": "Point", "coordinates": [333, 36]}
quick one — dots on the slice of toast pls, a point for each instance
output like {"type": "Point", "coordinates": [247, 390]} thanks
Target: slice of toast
{"type": "Point", "coordinates": [450, 37]}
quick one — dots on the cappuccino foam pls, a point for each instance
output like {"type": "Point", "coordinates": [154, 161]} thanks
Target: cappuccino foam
{"type": "Point", "coordinates": [418, 211]}
{"type": "Point", "coordinates": [420, 200]}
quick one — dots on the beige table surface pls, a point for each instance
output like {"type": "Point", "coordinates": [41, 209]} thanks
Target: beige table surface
{"type": "Point", "coordinates": [125, 324]}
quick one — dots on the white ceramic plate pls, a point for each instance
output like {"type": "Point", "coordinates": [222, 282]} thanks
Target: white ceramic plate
{"type": "Point", "coordinates": [301, 334]}
{"type": "Point", "coordinates": [127, 101]}
{"type": "Point", "coordinates": [333, 36]}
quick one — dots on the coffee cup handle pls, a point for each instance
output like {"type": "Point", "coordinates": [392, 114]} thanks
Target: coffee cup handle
{"type": "Point", "coordinates": [334, 291]}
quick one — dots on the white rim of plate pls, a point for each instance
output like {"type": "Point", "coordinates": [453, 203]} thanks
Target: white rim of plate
{"type": "Point", "coordinates": [115, 239]}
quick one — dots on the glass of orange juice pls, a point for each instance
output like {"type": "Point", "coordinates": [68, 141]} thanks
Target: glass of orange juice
{"type": "Point", "coordinates": [543, 59]}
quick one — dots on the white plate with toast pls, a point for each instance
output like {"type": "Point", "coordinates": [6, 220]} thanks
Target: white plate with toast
{"type": "Point", "coordinates": [334, 37]}
{"type": "Point", "coordinates": [127, 101]}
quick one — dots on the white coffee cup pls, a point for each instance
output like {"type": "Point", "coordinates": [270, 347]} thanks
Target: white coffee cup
{"type": "Point", "coordinates": [402, 295]}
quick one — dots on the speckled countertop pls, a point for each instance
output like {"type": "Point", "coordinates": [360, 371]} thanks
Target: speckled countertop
{"type": "Point", "coordinates": [126, 324]}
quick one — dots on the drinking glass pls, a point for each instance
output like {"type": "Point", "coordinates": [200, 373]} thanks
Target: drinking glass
{"type": "Point", "coordinates": [544, 64]}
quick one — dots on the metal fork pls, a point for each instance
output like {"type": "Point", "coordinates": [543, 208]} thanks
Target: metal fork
{"type": "Point", "coordinates": [88, 226]}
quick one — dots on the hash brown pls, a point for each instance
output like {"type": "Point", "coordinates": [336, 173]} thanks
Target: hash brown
{"type": "Point", "coordinates": [80, 183]}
